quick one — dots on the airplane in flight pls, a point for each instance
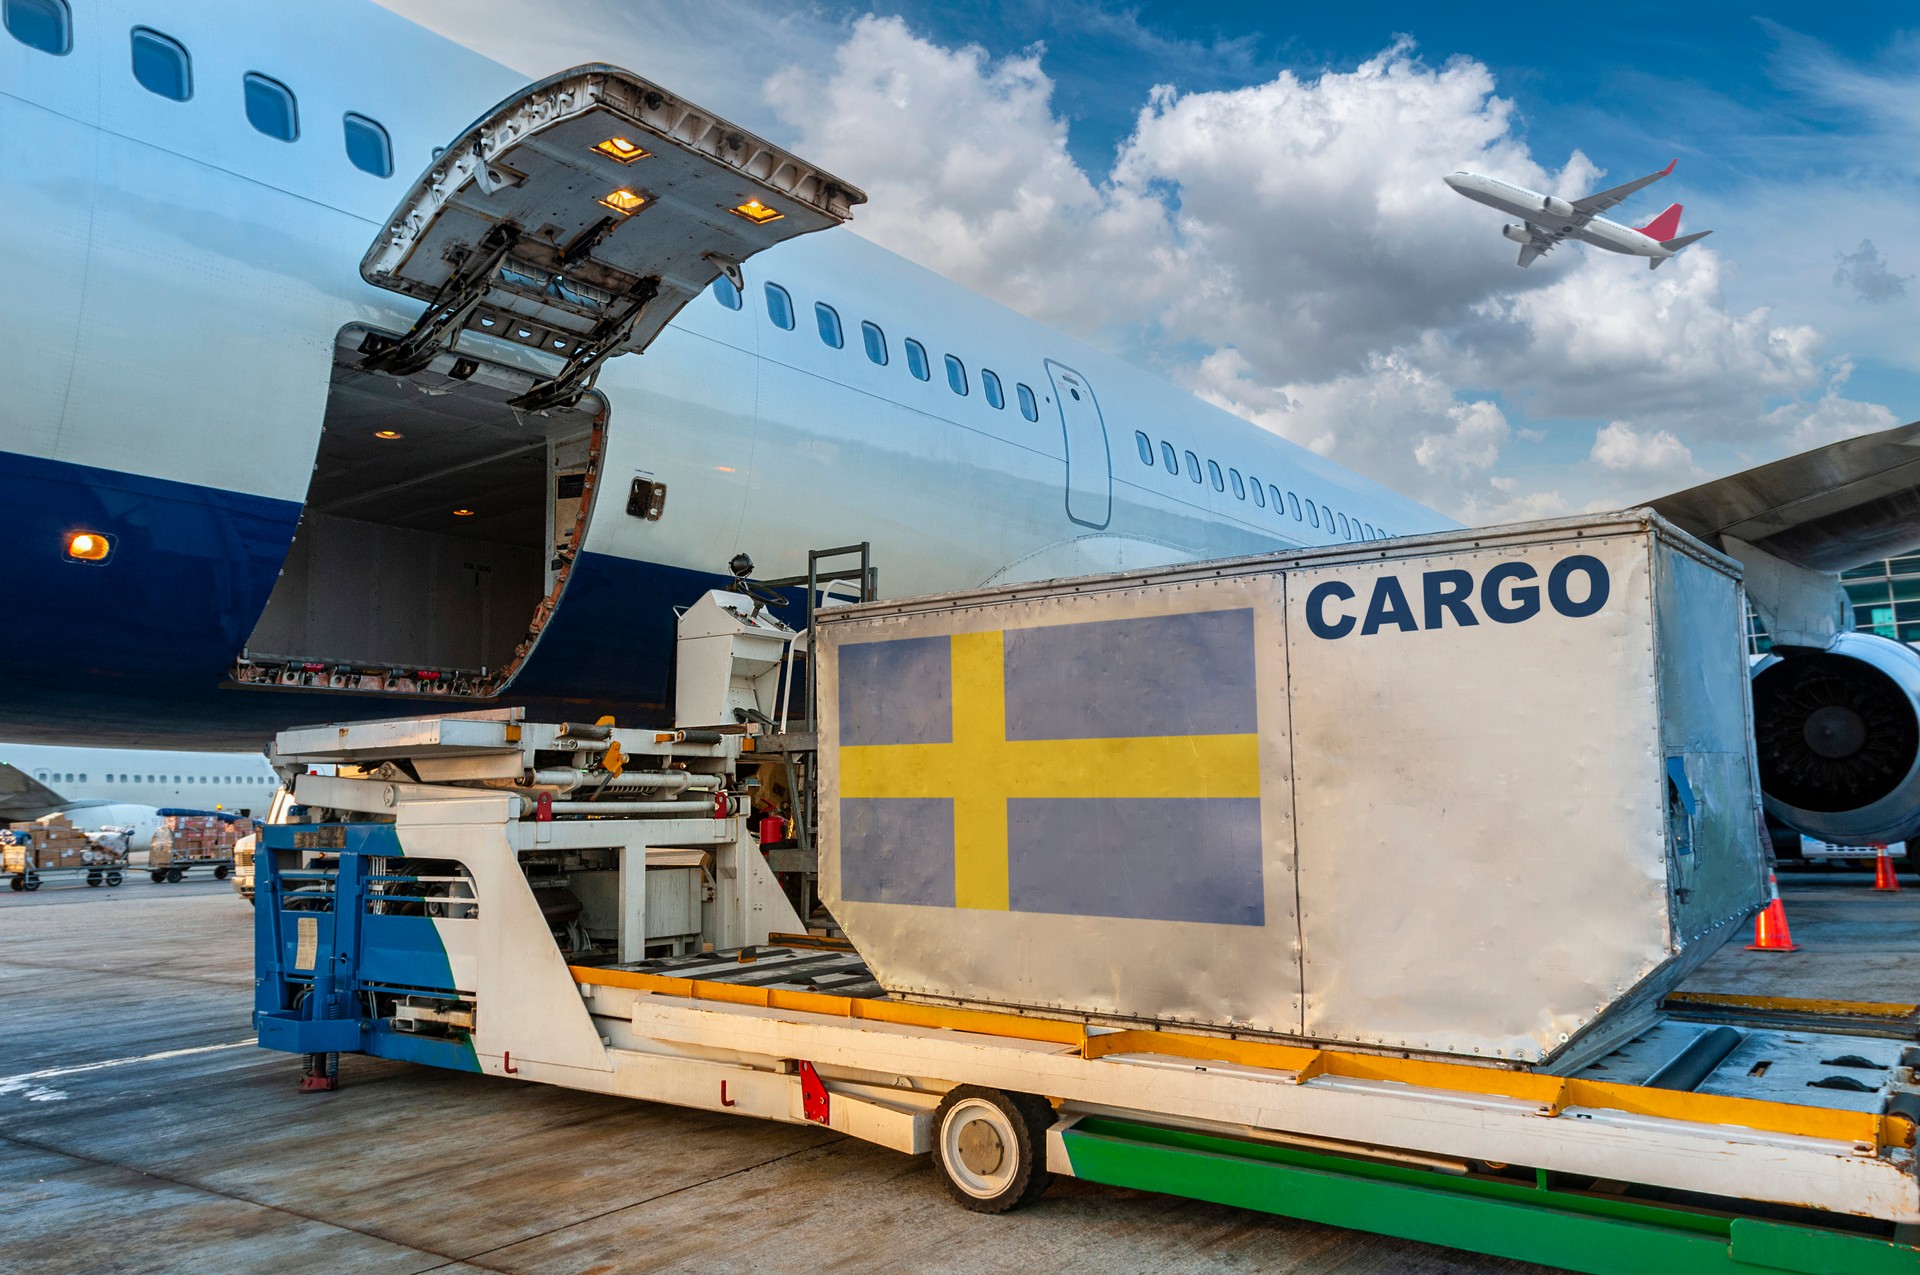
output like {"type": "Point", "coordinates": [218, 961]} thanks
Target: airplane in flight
{"type": "Point", "coordinates": [334, 391]}
{"type": "Point", "coordinates": [1547, 220]}
{"type": "Point", "coordinates": [127, 788]}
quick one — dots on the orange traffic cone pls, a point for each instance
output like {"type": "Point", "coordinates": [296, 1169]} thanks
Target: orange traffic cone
{"type": "Point", "coordinates": [1770, 933]}
{"type": "Point", "coordinates": [1883, 878]}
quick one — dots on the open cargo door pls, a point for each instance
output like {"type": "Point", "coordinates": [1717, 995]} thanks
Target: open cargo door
{"type": "Point", "coordinates": [578, 216]}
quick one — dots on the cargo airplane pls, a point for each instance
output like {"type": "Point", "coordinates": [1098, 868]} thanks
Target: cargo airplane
{"type": "Point", "coordinates": [333, 391]}
{"type": "Point", "coordinates": [1547, 220]}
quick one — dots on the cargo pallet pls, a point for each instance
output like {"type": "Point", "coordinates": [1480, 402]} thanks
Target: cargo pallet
{"type": "Point", "coordinates": [93, 874]}
{"type": "Point", "coordinates": [400, 920]}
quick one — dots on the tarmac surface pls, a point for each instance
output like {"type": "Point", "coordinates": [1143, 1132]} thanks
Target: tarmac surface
{"type": "Point", "coordinates": [141, 1129]}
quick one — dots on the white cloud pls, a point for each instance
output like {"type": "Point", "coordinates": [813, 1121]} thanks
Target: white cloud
{"type": "Point", "coordinates": [1288, 250]}
{"type": "Point", "coordinates": [1621, 448]}
{"type": "Point", "coordinates": [1865, 271]}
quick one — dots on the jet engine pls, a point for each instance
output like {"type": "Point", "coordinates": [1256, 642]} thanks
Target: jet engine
{"type": "Point", "coordinates": [1838, 735]}
{"type": "Point", "coordinates": [1558, 207]}
{"type": "Point", "coordinates": [1518, 234]}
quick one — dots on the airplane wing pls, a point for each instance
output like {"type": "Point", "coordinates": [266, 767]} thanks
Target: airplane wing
{"type": "Point", "coordinates": [1795, 522]}
{"type": "Point", "coordinates": [1590, 206]}
{"type": "Point", "coordinates": [24, 798]}
{"type": "Point", "coordinates": [1539, 242]}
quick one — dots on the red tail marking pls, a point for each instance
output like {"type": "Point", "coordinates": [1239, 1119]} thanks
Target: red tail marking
{"type": "Point", "coordinates": [1663, 227]}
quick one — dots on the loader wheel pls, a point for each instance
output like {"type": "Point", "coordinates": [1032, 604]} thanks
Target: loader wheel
{"type": "Point", "coordinates": [32, 883]}
{"type": "Point", "coordinates": [94, 878]}
{"type": "Point", "coordinates": [158, 875]}
{"type": "Point", "coordinates": [220, 873]}
{"type": "Point", "coordinates": [17, 883]}
{"type": "Point", "coordinates": [113, 878]}
{"type": "Point", "coordinates": [175, 875]}
{"type": "Point", "coordinates": [991, 1147]}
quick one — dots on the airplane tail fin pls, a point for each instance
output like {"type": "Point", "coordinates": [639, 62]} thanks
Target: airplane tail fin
{"type": "Point", "coordinates": [1663, 226]}
{"type": "Point", "coordinates": [1675, 245]}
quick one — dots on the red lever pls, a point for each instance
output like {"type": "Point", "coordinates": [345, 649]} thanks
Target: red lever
{"type": "Point", "coordinates": [543, 808]}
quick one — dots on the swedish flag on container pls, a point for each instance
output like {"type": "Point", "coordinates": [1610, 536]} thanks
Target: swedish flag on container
{"type": "Point", "coordinates": [1103, 769]}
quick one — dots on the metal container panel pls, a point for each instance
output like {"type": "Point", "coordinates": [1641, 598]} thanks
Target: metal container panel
{"type": "Point", "coordinates": [1481, 832]}
{"type": "Point", "coordinates": [1717, 860]}
{"type": "Point", "coordinates": [1076, 802]}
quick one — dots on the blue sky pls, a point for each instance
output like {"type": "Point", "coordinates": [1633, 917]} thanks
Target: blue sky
{"type": "Point", "coordinates": [1269, 229]}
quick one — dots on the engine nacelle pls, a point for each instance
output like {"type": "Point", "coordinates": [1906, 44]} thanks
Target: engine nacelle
{"type": "Point", "coordinates": [1838, 736]}
{"type": "Point", "coordinates": [1518, 234]}
{"type": "Point", "coordinates": [1558, 207]}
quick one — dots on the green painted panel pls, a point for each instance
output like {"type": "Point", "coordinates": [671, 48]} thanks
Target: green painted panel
{"type": "Point", "coordinates": [1603, 1235]}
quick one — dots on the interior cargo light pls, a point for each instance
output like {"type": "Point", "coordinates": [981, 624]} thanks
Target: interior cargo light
{"type": "Point", "coordinates": [623, 150]}
{"type": "Point", "coordinates": [624, 201]}
{"type": "Point", "coordinates": [463, 513]}
{"type": "Point", "coordinates": [386, 433]}
{"type": "Point", "coordinates": [88, 546]}
{"type": "Point", "coordinates": [756, 212]}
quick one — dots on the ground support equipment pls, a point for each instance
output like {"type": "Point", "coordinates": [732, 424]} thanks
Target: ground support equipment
{"type": "Point", "coordinates": [425, 910]}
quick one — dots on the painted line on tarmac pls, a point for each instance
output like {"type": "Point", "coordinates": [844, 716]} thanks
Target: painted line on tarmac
{"type": "Point", "coordinates": [50, 1073]}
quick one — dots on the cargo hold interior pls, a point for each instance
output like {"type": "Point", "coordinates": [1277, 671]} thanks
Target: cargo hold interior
{"type": "Point", "coordinates": [438, 522]}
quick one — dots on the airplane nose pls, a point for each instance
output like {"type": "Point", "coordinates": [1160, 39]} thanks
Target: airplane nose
{"type": "Point", "coordinates": [1453, 179]}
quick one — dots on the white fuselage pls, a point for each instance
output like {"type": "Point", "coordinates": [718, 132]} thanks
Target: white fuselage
{"type": "Point", "coordinates": [1554, 215]}
{"type": "Point", "coordinates": [128, 788]}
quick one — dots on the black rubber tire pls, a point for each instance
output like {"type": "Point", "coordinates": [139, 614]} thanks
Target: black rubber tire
{"type": "Point", "coordinates": [1029, 1117]}
{"type": "Point", "coordinates": [16, 883]}
{"type": "Point", "coordinates": [33, 884]}
{"type": "Point", "coordinates": [113, 878]}
{"type": "Point", "coordinates": [176, 875]}
{"type": "Point", "coordinates": [158, 875]}
{"type": "Point", "coordinates": [94, 878]}
{"type": "Point", "coordinates": [220, 873]}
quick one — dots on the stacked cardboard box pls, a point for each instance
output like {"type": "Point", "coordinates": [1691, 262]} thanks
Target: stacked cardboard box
{"type": "Point", "coordinates": [194, 839]}
{"type": "Point", "coordinates": [52, 842]}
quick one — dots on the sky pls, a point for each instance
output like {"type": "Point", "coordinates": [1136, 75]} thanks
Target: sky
{"type": "Point", "coordinates": [1246, 198]}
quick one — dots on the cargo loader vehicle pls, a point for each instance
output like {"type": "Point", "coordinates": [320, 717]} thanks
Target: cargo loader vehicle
{"type": "Point", "coordinates": [1344, 884]}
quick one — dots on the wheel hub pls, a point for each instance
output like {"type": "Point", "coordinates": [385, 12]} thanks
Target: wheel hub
{"type": "Point", "coordinates": [980, 1148]}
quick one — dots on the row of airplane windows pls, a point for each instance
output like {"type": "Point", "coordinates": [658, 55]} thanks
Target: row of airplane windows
{"type": "Point", "coordinates": [1322, 517]}
{"type": "Point", "coordinates": [162, 66]}
{"type": "Point", "coordinates": [55, 777]}
{"type": "Point", "coordinates": [780, 313]}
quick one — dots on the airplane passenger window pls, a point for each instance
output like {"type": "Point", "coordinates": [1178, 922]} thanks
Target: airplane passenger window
{"type": "Point", "coordinates": [271, 108]}
{"type": "Point", "coordinates": [1167, 457]}
{"type": "Point", "coordinates": [368, 148]}
{"type": "Point", "coordinates": [956, 375]}
{"type": "Point", "coordinates": [1259, 494]}
{"type": "Point", "coordinates": [1193, 467]}
{"type": "Point", "coordinates": [1313, 515]}
{"type": "Point", "coordinates": [917, 360]}
{"type": "Point", "coordinates": [828, 320]}
{"type": "Point", "coordinates": [46, 25]}
{"type": "Point", "coordinates": [1326, 517]}
{"type": "Point", "coordinates": [1030, 408]}
{"type": "Point", "coordinates": [726, 294]}
{"type": "Point", "coordinates": [161, 65]}
{"type": "Point", "coordinates": [1345, 530]}
{"type": "Point", "coordinates": [1293, 505]}
{"type": "Point", "coordinates": [1145, 445]}
{"type": "Point", "coordinates": [1239, 488]}
{"type": "Point", "coordinates": [779, 307]}
{"type": "Point", "coordinates": [990, 385]}
{"type": "Point", "coordinates": [1213, 472]}
{"type": "Point", "coordinates": [876, 342]}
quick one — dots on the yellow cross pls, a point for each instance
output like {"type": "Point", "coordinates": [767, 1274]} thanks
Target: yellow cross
{"type": "Point", "coordinates": [982, 768]}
